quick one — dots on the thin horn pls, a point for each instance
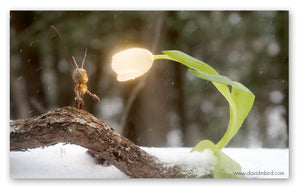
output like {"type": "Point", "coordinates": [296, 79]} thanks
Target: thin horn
{"type": "Point", "coordinates": [69, 60]}
{"type": "Point", "coordinates": [75, 61]}
{"type": "Point", "coordinates": [84, 58]}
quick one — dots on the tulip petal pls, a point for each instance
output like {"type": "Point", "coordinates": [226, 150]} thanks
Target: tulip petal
{"type": "Point", "coordinates": [132, 63]}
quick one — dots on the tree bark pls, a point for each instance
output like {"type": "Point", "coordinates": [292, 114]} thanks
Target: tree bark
{"type": "Point", "coordinates": [70, 125]}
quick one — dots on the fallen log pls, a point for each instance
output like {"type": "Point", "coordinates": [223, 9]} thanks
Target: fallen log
{"type": "Point", "coordinates": [74, 126]}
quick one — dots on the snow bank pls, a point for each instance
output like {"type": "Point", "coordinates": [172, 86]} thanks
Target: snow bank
{"type": "Point", "coordinates": [71, 161]}
{"type": "Point", "coordinates": [261, 162]}
{"type": "Point", "coordinates": [59, 161]}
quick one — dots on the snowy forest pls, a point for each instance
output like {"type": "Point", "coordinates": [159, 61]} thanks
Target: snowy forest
{"type": "Point", "coordinates": [169, 106]}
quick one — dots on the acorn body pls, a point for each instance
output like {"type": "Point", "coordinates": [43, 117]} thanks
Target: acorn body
{"type": "Point", "coordinates": [80, 88]}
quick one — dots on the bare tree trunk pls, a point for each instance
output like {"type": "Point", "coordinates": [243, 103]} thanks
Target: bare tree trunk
{"type": "Point", "coordinates": [18, 103]}
{"type": "Point", "coordinates": [30, 67]}
{"type": "Point", "coordinates": [70, 125]}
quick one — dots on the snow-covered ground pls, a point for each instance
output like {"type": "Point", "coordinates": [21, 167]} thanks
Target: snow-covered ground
{"type": "Point", "coordinates": [71, 161]}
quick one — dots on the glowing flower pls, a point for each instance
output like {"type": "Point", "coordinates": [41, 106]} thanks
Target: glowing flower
{"type": "Point", "coordinates": [132, 63]}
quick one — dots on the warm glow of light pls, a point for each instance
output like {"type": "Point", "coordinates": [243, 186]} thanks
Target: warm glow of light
{"type": "Point", "coordinates": [132, 63]}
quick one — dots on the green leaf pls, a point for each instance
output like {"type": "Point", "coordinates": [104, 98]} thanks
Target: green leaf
{"type": "Point", "coordinates": [205, 144]}
{"type": "Point", "coordinates": [225, 166]}
{"type": "Point", "coordinates": [240, 98]}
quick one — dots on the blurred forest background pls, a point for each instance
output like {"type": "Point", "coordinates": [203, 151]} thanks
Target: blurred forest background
{"type": "Point", "coordinates": [168, 106]}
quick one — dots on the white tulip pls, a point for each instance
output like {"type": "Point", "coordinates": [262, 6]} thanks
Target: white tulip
{"type": "Point", "coordinates": [132, 63]}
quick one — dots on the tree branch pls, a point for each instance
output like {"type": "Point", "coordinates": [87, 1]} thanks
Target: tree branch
{"type": "Point", "coordinates": [70, 125]}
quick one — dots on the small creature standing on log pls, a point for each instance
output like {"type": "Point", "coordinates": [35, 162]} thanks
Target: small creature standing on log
{"type": "Point", "coordinates": [79, 76]}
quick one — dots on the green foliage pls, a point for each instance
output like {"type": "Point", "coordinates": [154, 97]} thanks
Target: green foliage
{"type": "Point", "coordinates": [240, 101]}
{"type": "Point", "coordinates": [240, 98]}
{"type": "Point", "coordinates": [225, 166]}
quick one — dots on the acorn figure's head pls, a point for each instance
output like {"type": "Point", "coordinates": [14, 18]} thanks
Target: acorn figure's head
{"type": "Point", "coordinates": [80, 75]}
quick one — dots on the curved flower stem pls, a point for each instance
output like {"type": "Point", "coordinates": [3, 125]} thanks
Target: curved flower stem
{"type": "Point", "coordinates": [162, 56]}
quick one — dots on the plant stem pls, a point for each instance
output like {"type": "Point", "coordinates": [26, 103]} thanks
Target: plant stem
{"type": "Point", "coordinates": [162, 56]}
